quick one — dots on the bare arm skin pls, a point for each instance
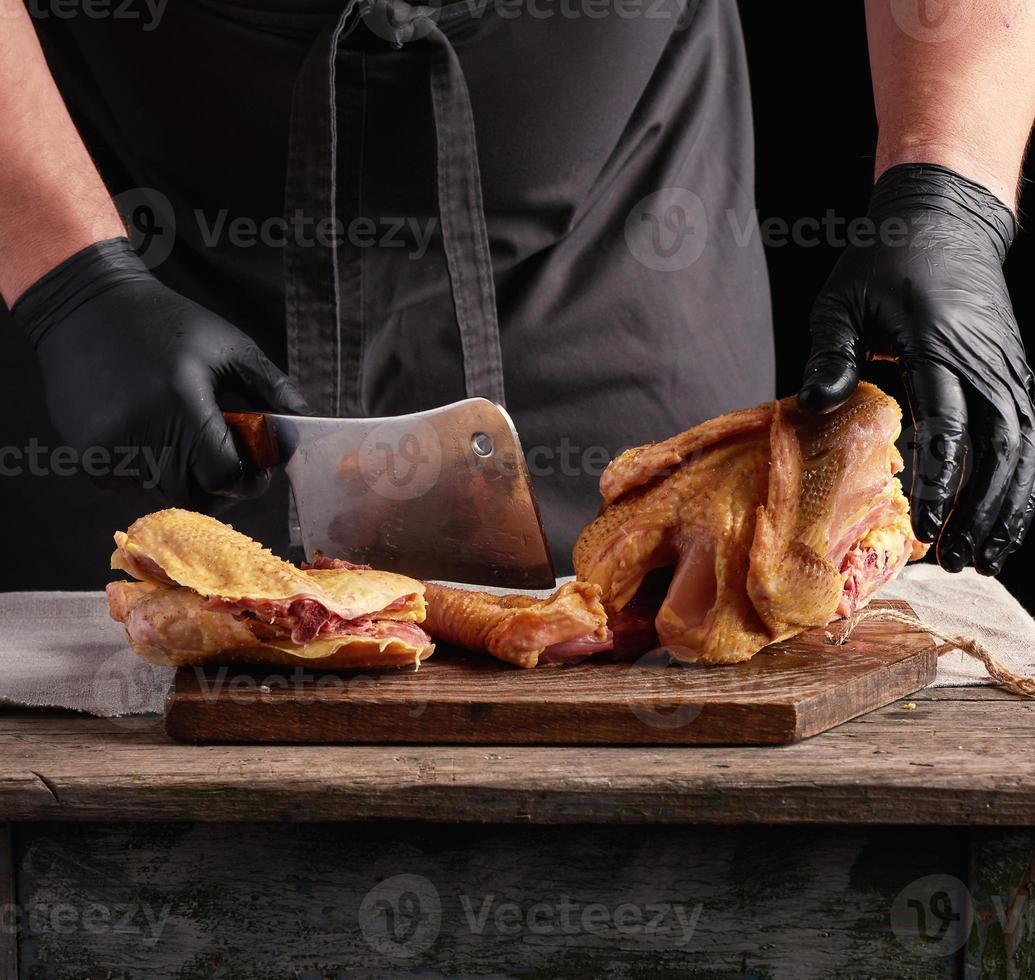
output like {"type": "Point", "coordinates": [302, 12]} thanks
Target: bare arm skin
{"type": "Point", "coordinates": [52, 200]}
{"type": "Point", "coordinates": [956, 88]}
{"type": "Point", "coordinates": [131, 363]}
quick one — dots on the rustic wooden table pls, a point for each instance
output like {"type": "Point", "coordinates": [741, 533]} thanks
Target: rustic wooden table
{"type": "Point", "coordinates": [895, 846]}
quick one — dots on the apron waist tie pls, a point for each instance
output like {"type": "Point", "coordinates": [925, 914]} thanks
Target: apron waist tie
{"type": "Point", "coordinates": [315, 276]}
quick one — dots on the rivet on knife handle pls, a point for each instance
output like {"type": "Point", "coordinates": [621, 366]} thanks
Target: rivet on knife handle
{"type": "Point", "coordinates": [251, 430]}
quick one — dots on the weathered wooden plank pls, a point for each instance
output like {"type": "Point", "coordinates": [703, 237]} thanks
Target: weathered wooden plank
{"type": "Point", "coordinates": [966, 763]}
{"type": "Point", "coordinates": [8, 905]}
{"type": "Point", "coordinates": [32, 723]}
{"type": "Point", "coordinates": [790, 691]}
{"type": "Point", "coordinates": [978, 692]}
{"type": "Point", "coordinates": [1002, 893]}
{"type": "Point", "coordinates": [333, 900]}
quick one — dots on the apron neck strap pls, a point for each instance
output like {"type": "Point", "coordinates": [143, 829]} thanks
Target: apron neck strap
{"type": "Point", "coordinates": [315, 275]}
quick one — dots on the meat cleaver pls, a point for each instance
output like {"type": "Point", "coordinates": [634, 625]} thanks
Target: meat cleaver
{"type": "Point", "coordinates": [441, 494]}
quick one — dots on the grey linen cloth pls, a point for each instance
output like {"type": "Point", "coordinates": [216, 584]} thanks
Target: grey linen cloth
{"type": "Point", "coordinates": [969, 605]}
{"type": "Point", "coordinates": [60, 649]}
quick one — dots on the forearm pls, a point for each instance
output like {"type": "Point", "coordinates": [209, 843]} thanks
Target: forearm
{"type": "Point", "coordinates": [52, 200]}
{"type": "Point", "coordinates": [961, 94]}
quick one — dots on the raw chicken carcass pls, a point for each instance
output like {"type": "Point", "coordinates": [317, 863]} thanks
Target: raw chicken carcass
{"type": "Point", "coordinates": [750, 528]}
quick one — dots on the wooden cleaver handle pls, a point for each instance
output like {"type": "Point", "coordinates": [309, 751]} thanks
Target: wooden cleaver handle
{"type": "Point", "coordinates": [252, 433]}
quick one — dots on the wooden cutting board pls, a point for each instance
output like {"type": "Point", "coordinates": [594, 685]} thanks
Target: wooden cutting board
{"type": "Point", "coordinates": [787, 692]}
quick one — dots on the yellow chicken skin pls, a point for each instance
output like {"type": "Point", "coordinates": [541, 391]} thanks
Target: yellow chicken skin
{"type": "Point", "coordinates": [767, 521]}
{"type": "Point", "coordinates": [519, 629]}
{"type": "Point", "coordinates": [209, 594]}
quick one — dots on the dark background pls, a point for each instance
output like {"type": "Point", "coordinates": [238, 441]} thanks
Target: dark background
{"type": "Point", "coordinates": [815, 136]}
{"type": "Point", "coordinates": [815, 130]}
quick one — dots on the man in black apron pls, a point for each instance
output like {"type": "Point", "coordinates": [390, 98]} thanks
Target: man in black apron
{"type": "Point", "coordinates": [543, 204]}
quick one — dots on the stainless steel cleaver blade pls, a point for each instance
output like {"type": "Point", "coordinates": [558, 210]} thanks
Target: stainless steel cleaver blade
{"type": "Point", "coordinates": [441, 494]}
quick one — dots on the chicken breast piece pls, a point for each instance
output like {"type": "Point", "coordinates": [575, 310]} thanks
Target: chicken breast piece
{"type": "Point", "coordinates": [180, 547]}
{"type": "Point", "coordinates": [172, 626]}
{"type": "Point", "coordinates": [209, 594]}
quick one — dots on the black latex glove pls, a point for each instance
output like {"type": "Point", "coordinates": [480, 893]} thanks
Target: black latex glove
{"type": "Point", "coordinates": [930, 294]}
{"type": "Point", "coordinates": [130, 364]}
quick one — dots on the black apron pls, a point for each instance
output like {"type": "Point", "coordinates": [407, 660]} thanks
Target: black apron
{"type": "Point", "coordinates": [531, 201]}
